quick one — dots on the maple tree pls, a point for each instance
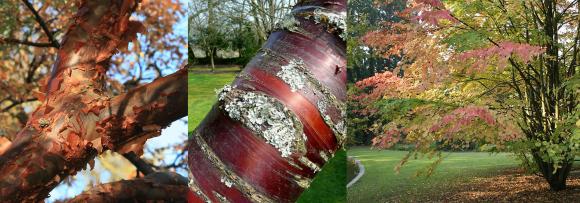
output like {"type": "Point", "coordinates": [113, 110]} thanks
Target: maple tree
{"type": "Point", "coordinates": [282, 118]}
{"type": "Point", "coordinates": [73, 87]}
{"type": "Point", "coordinates": [501, 74]}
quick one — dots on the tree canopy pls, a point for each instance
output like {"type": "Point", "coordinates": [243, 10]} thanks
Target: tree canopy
{"type": "Point", "coordinates": [499, 73]}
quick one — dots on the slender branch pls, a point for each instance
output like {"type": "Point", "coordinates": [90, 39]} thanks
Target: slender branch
{"type": "Point", "coordinates": [25, 42]}
{"type": "Point", "coordinates": [16, 103]}
{"type": "Point", "coordinates": [139, 163]}
{"type": "Point", "coordinates": [42, 24]}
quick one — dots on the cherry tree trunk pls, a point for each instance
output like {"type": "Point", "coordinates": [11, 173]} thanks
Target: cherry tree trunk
{"type": "Point", "coordinates": [282, 118]}
{"type": "Point", "coordinates": [79, 118]}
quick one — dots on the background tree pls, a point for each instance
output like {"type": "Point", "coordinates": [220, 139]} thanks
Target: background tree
{"type": "Point", "coordinates": [282, 118]}
{"type": "Point", "coordinates": [77, 68]}
{"type": "Point", "coordinates": [364, 62]}
{"type": "Point", "coordinates": [239, 25]}
{"type": "Point", "coordinates": [469, 65]}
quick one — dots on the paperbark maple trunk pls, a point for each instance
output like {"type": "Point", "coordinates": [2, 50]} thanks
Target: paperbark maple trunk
{"type": "Point", "coordinates": [78, 118]}
{"type": "Point", "coordinates": [282, 118]}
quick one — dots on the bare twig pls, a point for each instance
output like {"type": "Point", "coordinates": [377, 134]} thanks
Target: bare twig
{"type": "Point", "coordinates": [42, 24]}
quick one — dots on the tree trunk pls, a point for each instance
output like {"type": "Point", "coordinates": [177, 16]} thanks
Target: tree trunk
{"type": "Point", "coordinates": [211, 61]}
{"type": "Point", "coordinates": [282, 118]}
{"type": "Point", "coordinates": [78, 117]}
{"type": "Point", "coordinates": [556, 179]}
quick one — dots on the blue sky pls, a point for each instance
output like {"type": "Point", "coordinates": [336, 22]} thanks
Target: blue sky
{"type": "Point", "coordinates": [176, 133]}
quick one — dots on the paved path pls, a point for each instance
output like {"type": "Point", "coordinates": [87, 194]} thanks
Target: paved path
{"type": "Point", "coordinates": [361, 172]}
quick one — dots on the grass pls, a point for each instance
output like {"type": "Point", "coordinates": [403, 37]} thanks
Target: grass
{"type": "Point", "coordinates": [382, 184]}
{"type": "Point", "coordinates": [327, 186]}
{"type": "Point", "coordinates": [202, 95]}
{"type": "Point", "coordinates": [217, 69]}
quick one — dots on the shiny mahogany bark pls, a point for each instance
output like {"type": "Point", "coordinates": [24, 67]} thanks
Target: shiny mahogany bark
{"type": "Point", "coordinates": [282, 118]}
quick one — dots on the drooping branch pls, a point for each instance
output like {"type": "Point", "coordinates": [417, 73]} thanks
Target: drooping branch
{"type": "Point", "coordinates": [165, 187]}
{"type": "Point", "coordinates": [282, 118]}
{"type": "Point", "coordinates": [79, 118]}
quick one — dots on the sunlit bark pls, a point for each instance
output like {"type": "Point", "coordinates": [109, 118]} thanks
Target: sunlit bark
{"type": "Point", "coordinates": [79, 118]}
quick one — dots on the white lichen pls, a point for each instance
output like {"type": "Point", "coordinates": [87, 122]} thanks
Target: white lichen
{"type": "Point", "coordinates": [226, 181]}
{"type": "Point", "coordinates": [219, 92]}
{"type": "Point", "coordinates": [266, 117]}
{"type": "Point", "coordinates": [321, 106]}
{"type": "Point", "coordinates": [292, 75]}
{"type": "Point", "coordinates": [288, 22]}
{"type": "Point", "coordinates": [341, 128]}
{"type": "Point", "coordinates": [334, 20]}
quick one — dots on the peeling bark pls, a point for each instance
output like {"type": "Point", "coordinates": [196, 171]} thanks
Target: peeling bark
{"type": "Point", "coordinates": [158, 187]}
{"type": "Point", "coordinates": [282, 118]}
{"type": "Point", "coordinates": [79, 118]}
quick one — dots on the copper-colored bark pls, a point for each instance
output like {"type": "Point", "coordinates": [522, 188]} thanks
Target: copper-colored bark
{"type": "Point", "coordinates": [156, 187]}
{"type": "Point", "coordinates": [79, 118]}
{"type": "Point", "coordinates": [231, 162]}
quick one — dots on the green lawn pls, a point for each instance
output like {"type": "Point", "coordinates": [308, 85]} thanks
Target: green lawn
{"type": "Point", "coordinates": [380, 183]}
{"type": "Point", "coordinates": [328, 185]}
{"type": "Point", "coordinates": [217, 69]}
{"type": "Point", "coordinates": [202, 95]}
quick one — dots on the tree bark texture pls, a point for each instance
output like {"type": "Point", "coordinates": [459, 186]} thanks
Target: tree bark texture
{"type": "Point", "coordinates": [282, 118]}
{"type": "Point", "coordinates": [158, 187]}
{"type": "Point", "coordinates": [79, 118]}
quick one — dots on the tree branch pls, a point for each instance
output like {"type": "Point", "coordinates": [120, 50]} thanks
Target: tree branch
{"type": "Point", "coordinates": [39, 159]}
{"type": "Point", "coordinates": [139, 163]}
{"type": "Point", "coordinates": [42, 24]}
{"type": "Point", "coordinates": [79, 118]}
{"type": "Point", "coordinates": [167, 187]}
{"type": "Point", "coordinates": [25, 42]}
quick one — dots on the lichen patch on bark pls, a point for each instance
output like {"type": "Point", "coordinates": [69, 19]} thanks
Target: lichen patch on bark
{"type": "Point", "coordinates": [289, 23]}
{"type": "Point", "coordinates": [336, 22]}
{"type": "Point", "coordinates": [267, 117]}
{"type": "Point", "coordinates": [293, 74]}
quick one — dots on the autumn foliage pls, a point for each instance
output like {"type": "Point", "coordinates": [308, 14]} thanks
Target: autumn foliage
{"type": "Point", "coordinates": [492, 73]}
